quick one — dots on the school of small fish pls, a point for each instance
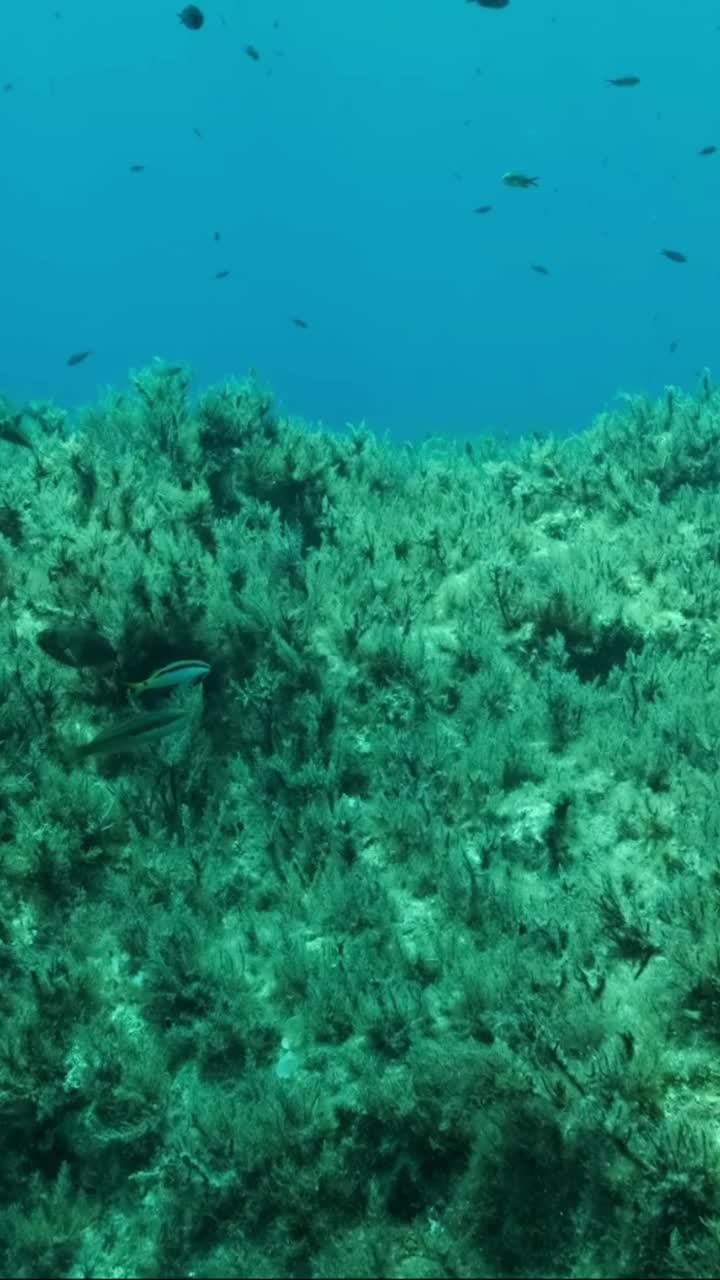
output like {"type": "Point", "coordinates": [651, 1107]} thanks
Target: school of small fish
{"type": "Point", "coordinates": [192, 17]}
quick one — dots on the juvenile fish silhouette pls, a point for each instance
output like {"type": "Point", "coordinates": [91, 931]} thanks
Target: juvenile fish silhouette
{"type": "Point", "coordinates": [519, 180]}
{"type": "Point", "coordinates": [191, 17]}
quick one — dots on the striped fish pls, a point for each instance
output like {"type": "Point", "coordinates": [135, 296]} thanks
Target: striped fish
{"type": "Point", "coordinates": [187, 671]}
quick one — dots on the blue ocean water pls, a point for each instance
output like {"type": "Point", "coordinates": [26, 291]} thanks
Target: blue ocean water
{"type": "Point", "coordinates": [330, 157]}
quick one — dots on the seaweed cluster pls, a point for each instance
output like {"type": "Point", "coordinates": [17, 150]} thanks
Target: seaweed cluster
{"type": "Point", "coordinates": [406, 960]}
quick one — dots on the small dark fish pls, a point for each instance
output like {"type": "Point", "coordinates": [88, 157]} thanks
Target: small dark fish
{"type": "Point", "coordinates": [252, 52]}
{"type": "Point", "coordinates": [136, 168]}
{"type": "Point", "coordinates": [199, 134]}
{"type": "Point", "coordinates": [624, 82]}
{"type": "Point", "coordinates": [674, 255]}
{"type": "Point", "coordinates": [7, 88]}
{"type": "Point", "coordinates": [301, 324]}
{"type": "Point", "coordinates": [490, 4]}
{"type": "Point", "coordinates": [77, 645]}
{"type": "Point", "coordinates": [707, 151]}
{"type": "Point", "coordinates": [483, 208]}
{"type": "Point", "coordinates": [191, 17]}
{"type": "Point", "coordinates": [216, 235]}
{"type": "Point", "coordinates": [541, 270]}
{"type": "Point", "coordinates": [77, 357]}
{"type": "Point", "coordinates": [220, 275]}
{"type": "Point", "coordinates": [673, 346]}
{"type": "Point", "coordinates": [11, 431]}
